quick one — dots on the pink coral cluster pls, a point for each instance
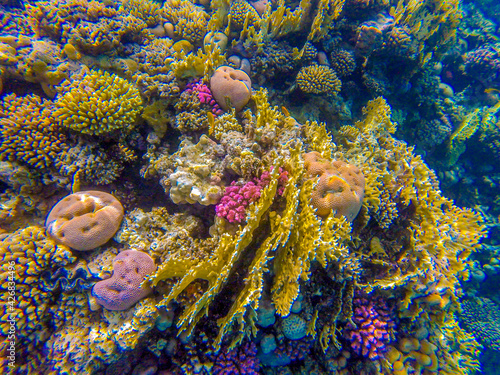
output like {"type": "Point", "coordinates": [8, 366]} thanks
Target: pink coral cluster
{"type": "Point", "coordinates": [237, 198]}
{"type": "Point", "coordinates": [373, 327]}
{"type": "Point", "coordinates": [204, 96]}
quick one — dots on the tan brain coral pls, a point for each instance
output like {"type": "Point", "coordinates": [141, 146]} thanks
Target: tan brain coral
{"type": "Point", "coordinates": [340, 187]}
{"type": "Point", "coordinates": [85, 220]}
{"type": "Point", "coordinates": [233, 85]}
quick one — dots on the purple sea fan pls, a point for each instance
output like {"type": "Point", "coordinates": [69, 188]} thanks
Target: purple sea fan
{"type": "Point", "coordinates": [373, 327]}
{"type": "Point", "coordinates": [238, 361]}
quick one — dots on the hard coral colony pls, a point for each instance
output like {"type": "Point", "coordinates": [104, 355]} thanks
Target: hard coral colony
{"type": "Point", "coordinates": [225, 187]}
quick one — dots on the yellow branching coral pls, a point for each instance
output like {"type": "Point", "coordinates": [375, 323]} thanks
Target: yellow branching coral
{"type": "Point", "coordinates": [222, 124]}
{"type": "Point", "coordinates": [318, 79]}
{"type": "Point", "coordinates": [188, 20]}
{"type": "Point", "coordinates": [437, 237]}
{"type": "Point", "coordinates": [480, 118]}
{"type": "Point", "coordinates": [202, 63]}
{"type": "Point", "coordinates": [97, 103]}
{"type": "Point", "coordinates": [295, 235]}
{"type": "Point", "coordinates": [242, 12]}
{"type": "Point", "coordinates": [28, 133]}
{"type": "Point", "coordinates": [147, 10]}
{"type": "Point", "coordinates": [433, 23]}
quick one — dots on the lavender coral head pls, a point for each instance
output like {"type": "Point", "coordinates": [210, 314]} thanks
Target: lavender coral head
{"type": "Point", "coordinates": [373, 327]}
{"type": "Point", "coordinates": [238, 361]}
{"type": "Point", "coordinates": [483, 64]}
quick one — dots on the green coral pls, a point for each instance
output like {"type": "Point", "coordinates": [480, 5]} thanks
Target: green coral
{"type": "Point", "coordinates": [98, 103]}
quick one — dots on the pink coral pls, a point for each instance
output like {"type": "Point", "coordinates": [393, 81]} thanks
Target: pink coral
{"type": "Point", "coordinates": [237, 198]}
{"type": "Point", "coordinates": [372, 327]}
{"type": "Point", "coordinates": [204, 95]}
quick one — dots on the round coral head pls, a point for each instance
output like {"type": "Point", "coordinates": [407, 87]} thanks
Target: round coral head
{"type": "Point", "coordinates": [85, 220]}
{"type": "Point", "coordinates": [340, 188]}
{"type": "Point", "coordinates": [231, 87]}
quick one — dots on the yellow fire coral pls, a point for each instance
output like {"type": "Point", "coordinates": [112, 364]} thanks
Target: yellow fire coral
{"type": "Point", "coordinates": [28, 134]}
{"type": "Point", "coordinates": [296, 234]}
{"type": "Point", "coordinates": [428, 259]}
{"type": "Point", "coordinates": [97, 103]}
{"type": "Point", "coordinates": [318, 79]}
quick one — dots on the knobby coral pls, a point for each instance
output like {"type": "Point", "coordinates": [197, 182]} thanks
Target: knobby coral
{"type": "Point", "coordinates": [97, 103]}
{"type": "Point", "coordinates": [318, 79]}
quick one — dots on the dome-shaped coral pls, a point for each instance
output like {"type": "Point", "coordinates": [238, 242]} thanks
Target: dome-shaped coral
{"type": "Point", "coordinates": [122, 290]}
{"type": "Point", "coordinates": [233, 84]}
{"type": "Point", "coordinates": [318, 79]}
{"type": "Point", "coordinates": [98, 103]}
{"type": "Point", "coordinates": [343, 62]}
{"type": "Point", "coordinates": [340, 187]}
{"type": "Point", "coordinates": [85, 220]}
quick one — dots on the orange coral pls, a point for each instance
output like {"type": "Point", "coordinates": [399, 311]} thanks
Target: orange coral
{"type": "Point", "coordinates": [340, 187]}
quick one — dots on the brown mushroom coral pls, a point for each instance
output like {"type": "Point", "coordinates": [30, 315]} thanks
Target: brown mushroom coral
{"type": "Point", "coordinates": [233, 85]}
{"type": "Point", "coordinates": [340, 188]}
{"type": "Point", "coordinates": [85, 220]}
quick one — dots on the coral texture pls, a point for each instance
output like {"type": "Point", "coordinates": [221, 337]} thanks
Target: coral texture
{"type": "Point", "coordinates": [340, 187]}
{"type": "Point", "coordinates": [236, 199]}
{"type": "Point", "coordinates": [372, 327]}
{"type": "Point", "coordinates": [28, 134]}
{"type": "Point", "coordinates": [237, 361]}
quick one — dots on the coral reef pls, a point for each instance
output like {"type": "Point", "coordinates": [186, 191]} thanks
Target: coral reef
{"type": "Point", "coordinates": [295, 225]}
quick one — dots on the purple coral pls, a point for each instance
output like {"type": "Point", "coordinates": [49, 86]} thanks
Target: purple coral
{"type": "Point", "coordinates": [237, 198]}
{"type": "Point", "coordinates": [122, 290]}
{"type": "Point", "coordinates": [238, 361]}
{"type": "Point", "coordinates": [204, 95]}
{"type": "Point", "coordinates": [483, 64]}
{"type": "Point", "coordinates": [373, 327]}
